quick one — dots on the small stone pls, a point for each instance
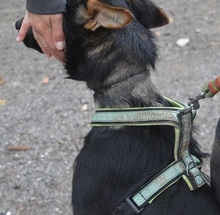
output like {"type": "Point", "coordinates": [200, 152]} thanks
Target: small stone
{"type": "Point", "coordinates": [182, 42]}
{"type": "Point", "coordinates": [158, 33]}
{"type": "Point", "coordinates": [45, 80]}
{"type": "Point", "coordinates": [1, 81]}
{"type": "Point", "coordinates": [84, 107]}
{"type": "Point", "coordinates": [198, 31]}
{"type": "Point", "coordinates": [3, 102]}
{"type": "Point", "coordinates": [171, 20]}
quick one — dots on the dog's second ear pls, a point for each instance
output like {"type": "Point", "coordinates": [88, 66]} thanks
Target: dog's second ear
{"type": "Point", "coordinates": [29, 39]}
{"type": "Point", "coordinates": [148, 14]}
{"type": "Point", "coordinates": [103, 15]}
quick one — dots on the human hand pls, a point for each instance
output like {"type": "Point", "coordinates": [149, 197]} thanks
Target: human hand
{"type": "Point", "coordinates": [47, 30]}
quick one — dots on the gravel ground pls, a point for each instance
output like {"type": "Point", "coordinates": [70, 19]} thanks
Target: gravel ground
{"type": "Point", "coordinates": [44, 117]}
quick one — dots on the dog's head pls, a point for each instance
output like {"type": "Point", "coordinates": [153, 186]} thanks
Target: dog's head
{"type": "Point", "coordinates": [115, 14]}
{"type": "Point", "coordinates": [105, 37]}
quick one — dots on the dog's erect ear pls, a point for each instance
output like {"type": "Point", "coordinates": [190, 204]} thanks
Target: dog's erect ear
{"type": "Point", "coordinates": [148, 14]}
{"type": "Point", "coordinates": [103, 15]}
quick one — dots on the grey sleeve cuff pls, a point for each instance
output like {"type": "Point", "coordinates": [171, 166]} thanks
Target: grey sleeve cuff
{"type": "Point", "coordinates": [46, 6]}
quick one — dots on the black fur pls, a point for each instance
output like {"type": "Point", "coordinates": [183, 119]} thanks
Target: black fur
{"type": "Point", "coordinates": [114, 162]}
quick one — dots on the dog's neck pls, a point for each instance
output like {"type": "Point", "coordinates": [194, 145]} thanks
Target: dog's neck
{"type": "Point", "coordinates": [116, 66]}
{"type": "Point", "coordinates": [134, 91]}
{"type": "Point", "coordinates": [103, 60]}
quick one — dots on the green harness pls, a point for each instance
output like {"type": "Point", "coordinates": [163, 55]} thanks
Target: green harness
{"type": "Point", "coordinates": [185, 165]}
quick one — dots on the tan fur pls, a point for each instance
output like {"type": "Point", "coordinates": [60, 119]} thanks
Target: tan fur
{"type": "Point", "coordinates": [106, 16]}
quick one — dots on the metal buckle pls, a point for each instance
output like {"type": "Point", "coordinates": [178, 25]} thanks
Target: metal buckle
{"type": "Point", "coordinates": [190, 166]}
{"type": "Point", "coordinates": [118, 210]}
{"type": "Point", "coordinates": [194, 102]}
{"type": "Point", "coordinates": [132, 206]}
{"type": "Point", "coordinates": [127, 207]}
{"type": "Point", "coordinates": [194, 175]}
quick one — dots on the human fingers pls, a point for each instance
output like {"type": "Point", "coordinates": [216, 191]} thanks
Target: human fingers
{"type": "Point", "coordinates": [60, 56]}
{"type": "Point", "coordinates": [43, 35]}
{"type": "Point", "coordinates": [41, 42]}
{"type": "Point", "coordinates": [57, 30]}
{"type": "Point", "coordinates": [24, 28]}
{"type": "Point", "coordinates": [42, 30]}
{"type": "Point", "coordinates": [48, 48]}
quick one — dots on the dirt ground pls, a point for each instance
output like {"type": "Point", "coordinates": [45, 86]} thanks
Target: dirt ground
{"type": "Point", "coordinates": [44, 117]}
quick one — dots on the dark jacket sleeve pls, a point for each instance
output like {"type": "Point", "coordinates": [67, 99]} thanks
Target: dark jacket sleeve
{"type": "Point", "coordinates": [46, 6]}
{"type": "Point", "coordinates": [215, 163]}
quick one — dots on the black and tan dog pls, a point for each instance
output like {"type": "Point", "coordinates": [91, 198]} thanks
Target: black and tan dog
{"type": "Point", "coordinates": [110, 47]}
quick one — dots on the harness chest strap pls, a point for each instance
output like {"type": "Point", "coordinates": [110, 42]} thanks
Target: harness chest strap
{"type": "Point", "coordinates": [167, 177]}
{"type": "Point", "coordinates": [185, 165]}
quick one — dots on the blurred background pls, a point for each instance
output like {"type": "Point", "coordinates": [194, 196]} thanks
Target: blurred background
{"type": "Point", "coordinates": [44, 117]}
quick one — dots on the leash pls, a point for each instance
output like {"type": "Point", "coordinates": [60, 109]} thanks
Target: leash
{"type": "Point", "coordinates": [185, 165]}
{"type": "Point", "coordinates": [211, 89]}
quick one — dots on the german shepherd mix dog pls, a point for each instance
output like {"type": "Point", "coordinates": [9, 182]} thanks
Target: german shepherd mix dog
{"type": "Point", "coordinates": [110, 47]}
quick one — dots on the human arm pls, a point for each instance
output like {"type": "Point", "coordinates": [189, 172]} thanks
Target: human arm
{"type": "Point", "coordinates": [46, 6]}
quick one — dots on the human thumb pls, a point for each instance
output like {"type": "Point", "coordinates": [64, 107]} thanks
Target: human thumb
{"type": "Point", "coordinates": [60, 45]}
